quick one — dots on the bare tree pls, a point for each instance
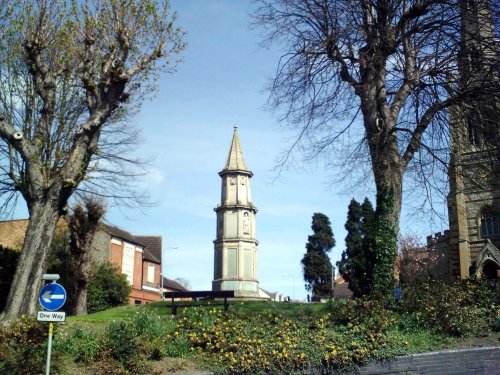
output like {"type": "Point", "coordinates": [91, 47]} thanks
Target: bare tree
{"type": "Point", "coordinates": [184, 282]}
{"type": "Point", "coordinates": [392, 64]}
{"type": "Point", "coordinates": [69, 73]}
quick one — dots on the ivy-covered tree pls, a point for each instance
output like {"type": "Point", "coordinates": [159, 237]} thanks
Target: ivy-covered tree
{"type": "Point", "coordinates": [356, 263]}
{"type": "Point", "coordinates": [382, 247]}
{"type": "Point", "coordinates": [316, 264]}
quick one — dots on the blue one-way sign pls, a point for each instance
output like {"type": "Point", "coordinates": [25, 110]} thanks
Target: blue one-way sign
{"type": "Point", "coordinates": [52, 296]}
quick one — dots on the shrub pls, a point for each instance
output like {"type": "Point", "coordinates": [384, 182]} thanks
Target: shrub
{"type": "Point", "coordinates": [119, 338]}
{"type": "Point", "coordinates": [466, 308]}
{"type": "Point", "coordinates": [8, 264]}
{"type": "Point", "coordinates": [83, 346]}
{"type": "Point", "coordinates": [147, 323]}
{"type": "Point", "coordinates": [366, 312]}
{"type": "Point", "coordinates": [107, 288]}
{"type": "Point", "coordinates": [127, 344]}
{"type": "Point", "coordinates": [23, 347]}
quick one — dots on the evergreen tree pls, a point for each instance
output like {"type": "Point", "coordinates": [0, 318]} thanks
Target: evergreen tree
{"type": "Point", "coordinates": [316, 264]}
{"type": "Point", "coordinates": [356, 263]}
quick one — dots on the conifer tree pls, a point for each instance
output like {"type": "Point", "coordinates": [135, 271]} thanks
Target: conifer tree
{"type": "Point", "coordinates": [316, 264]}
{"type": "Point", "coordinates": [357, 263]}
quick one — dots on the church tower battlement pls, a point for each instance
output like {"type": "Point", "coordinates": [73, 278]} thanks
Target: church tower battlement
{"type": "Point", "coordinates": [235, 246]}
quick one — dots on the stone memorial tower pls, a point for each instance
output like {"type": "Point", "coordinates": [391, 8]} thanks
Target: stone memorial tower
{"type": "Point", "coordinates": [235, 247]}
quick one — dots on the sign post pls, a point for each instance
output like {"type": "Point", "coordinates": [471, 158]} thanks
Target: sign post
{"type": "Point", "coordinates": [49, 349]}
{"type": "Point", "coordinates": [52, 298]}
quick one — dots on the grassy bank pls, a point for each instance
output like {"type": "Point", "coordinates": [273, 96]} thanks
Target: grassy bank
{"type": "Point", "coordinates": [254, 337]}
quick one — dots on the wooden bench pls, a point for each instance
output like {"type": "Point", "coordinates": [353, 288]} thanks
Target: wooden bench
{"type": "Point", "coordinates": [197, 296]}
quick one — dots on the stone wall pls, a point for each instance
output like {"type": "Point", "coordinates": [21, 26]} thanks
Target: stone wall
{"type": "Point", "coordinates": [468, 361]}
{"type": "Point", "coordinates": [438, 244]}
{"type": "Point", "coordinates": [12, 233]}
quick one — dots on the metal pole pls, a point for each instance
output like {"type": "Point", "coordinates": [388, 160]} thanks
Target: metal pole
{"type": "Point", "coordinates": [161, 284]}
{"type": "Point", "coordinates": [49, 349]}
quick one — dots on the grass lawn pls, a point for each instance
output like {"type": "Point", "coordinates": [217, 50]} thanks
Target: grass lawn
{"type": "Point", "coordinates": [162, 309]}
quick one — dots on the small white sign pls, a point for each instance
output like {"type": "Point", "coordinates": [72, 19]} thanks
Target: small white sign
{"type": "Point", "coordinates": [51, 316]}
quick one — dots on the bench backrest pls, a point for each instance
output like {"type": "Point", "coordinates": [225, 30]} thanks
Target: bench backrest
{"type": "Point", "coordinates": [200, 294]}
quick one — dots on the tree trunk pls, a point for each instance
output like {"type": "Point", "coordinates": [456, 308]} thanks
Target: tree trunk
{"type": "Point", "coordinates": [386, 161]}
{"type": "Point", "coordinates": [83, 271]}
{"type": "Point", "coordinates": [83, 227]}
{"type": "Point", "coordinates": [27, 282]}
{"type": "Point", "coordinates": [81, 297]}
{"type": "Point", "coordinates": [389, 180]}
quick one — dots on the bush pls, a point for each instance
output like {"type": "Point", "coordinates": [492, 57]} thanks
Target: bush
{"type": "Point", "coordinates": [466, 308]}
{"type": "Point", "coordinates": [107, 288]}
{"type": "Point", "coordinates": [119, 338]}
{"type": "Point", "coordinates": [147, 323]}
{"type": "Point", "coordinates": [8, 264]}
{"type": "Point", "coordinates": [62, 262]}
{"type": "Point", "coordinates": [23, 347]}
{"type": "Point", "coordinates": [83, 346]}
{"type": "Point", "coordinates": [367, 312]}
{"type": "Point", "coordinates": [131, 342]}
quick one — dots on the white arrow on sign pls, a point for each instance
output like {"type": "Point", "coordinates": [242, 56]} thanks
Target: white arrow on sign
{"type": "Point", "coordinates": [48, 296]}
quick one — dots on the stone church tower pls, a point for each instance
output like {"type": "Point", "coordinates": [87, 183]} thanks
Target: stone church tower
{"type": "Point", "coordinates": [474, 172]}
{"type": "Point", "coordinates": [235, 248]}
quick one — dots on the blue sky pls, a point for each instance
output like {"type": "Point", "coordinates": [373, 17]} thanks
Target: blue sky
{"type": "Point", "coordinates": [187, 127]}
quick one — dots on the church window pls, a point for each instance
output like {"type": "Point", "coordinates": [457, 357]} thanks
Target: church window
{"type": "Point", "coordinates": [473, 127]}
{"type": "Point", "coordinates": [482, 124]}
{"type": "Point", "coordinates": [490, 222]}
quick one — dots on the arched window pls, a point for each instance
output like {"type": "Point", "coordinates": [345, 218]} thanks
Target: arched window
{"type": "Point", "coordinates": [490, 222]}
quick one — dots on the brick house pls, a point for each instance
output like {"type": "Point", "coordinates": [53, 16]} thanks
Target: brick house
{"type": "Point", "coordinates": [138, 257]}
